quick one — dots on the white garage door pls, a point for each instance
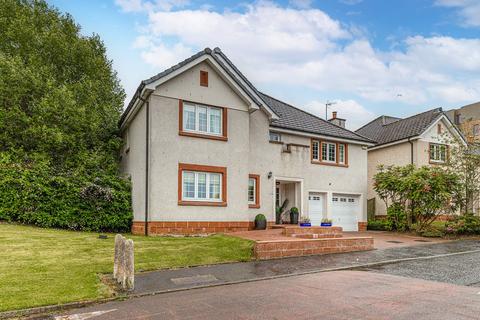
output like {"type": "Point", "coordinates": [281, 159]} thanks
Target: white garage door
{"type": "Point", "coordinates": [315, 208]}
{"type": "Point", "coordinates": [345, 210]}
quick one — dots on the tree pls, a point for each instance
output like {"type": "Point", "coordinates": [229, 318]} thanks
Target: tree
{"type": "Point", "coordinates": [60, 102]}
{"type": "Point", "coordinates": [416, 194]}
{"type": "Point", "coordinates": [465, 162]}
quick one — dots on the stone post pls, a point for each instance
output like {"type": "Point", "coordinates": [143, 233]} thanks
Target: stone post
{"type": "Point", "coordinates": [121, 264]}
{"type": "Point", "coordinates": [129, 266]}
{"type": "Point", "coordinates": [116, 258]}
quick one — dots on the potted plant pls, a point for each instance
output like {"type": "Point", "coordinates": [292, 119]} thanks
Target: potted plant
{"type": "Point", "coordinates": [305, 222]}
{"type": "Point", "coordinates": [260, 222]}
{"type": "Point", "coordinates": [326, 222]}
{"type": "Point", "coordinates": [294, 215]}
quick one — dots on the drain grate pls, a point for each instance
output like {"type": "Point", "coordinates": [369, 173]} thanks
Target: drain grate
{"type": "Point", "coordinates": [394, 241]}
{"type": "Point", "coordinates": [194, 279]}
{"type": "Point", "coordinates": [421, 240]}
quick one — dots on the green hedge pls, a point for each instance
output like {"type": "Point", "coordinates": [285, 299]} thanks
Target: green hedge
{"type": "Point", "coordinates": [33, 192]}
{"type": "Point", "coordinates": [379, 225]}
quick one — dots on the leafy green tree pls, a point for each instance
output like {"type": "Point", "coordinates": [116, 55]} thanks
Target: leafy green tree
{"type": "Point", "coordinates": [60, 102]}
{"type": "Point", "coordinates": [416, 194]}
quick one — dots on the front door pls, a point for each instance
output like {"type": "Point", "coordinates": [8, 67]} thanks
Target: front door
{"type": "Point", "coordinates": [315, 208]}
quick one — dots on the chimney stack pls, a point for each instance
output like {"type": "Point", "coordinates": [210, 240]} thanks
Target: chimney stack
{"type": "Point", "coordinates": [337, 121]}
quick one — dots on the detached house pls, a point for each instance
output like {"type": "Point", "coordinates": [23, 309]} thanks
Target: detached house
{"type": "Point", "coordinates": [207, 152]}
{"type": "Point", "coordinates": [422, 139]}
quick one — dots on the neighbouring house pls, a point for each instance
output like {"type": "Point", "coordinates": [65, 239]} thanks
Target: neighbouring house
{"type": "Point", "coordinates": [422, 139]}
{"type": "Point", "coordinates": [207, 152]}
{"type": "Point", "coordinates": [467, 118]}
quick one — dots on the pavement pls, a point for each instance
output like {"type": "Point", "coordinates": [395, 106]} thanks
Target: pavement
{"type": "Point", "coordinates": [176, 279]}
{"type": "Point", "coordinates": [329, 295]}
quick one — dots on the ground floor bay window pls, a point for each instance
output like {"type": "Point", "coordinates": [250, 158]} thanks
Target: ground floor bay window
{"type": "Point", "coordinates": [200, 185]}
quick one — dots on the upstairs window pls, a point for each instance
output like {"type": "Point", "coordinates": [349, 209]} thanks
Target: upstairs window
{"type": "Point", "coordinates": [275, 136]}
{"type": "Point", "coordinates": [476, 130]}
{"type": "Point", "coordinates": [203, 119]}
{"type": "Point", "coordinates": [329, 153]}
{"type": "Point", "coordinates": [438, 153]}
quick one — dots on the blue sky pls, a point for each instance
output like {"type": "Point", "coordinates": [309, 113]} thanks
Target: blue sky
{"type": "Point", "coordinates": [372, 57]}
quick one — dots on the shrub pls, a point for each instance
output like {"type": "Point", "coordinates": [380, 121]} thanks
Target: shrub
{"type": "Point", "coordinates": [467, 224]}
{"type": "Point", "coordinates": [260, 217]}
{"type": "Point", "coordinates": [378, 225]}
{"type": "Point", "coordinates": [396, 218]}
{"type": "Point", "coordinates": [32, 192]}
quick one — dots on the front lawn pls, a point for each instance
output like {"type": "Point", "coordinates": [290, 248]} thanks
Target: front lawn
{"type": "Point", "coordinates": [47, 266]}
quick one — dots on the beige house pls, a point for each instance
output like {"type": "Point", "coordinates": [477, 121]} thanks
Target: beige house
{"type": "Point", "coordinates": [467, 118]}
{"type": "Point", "coordinates": [207, 152]}
{"type": "Point", "coordinates": [422, 139]}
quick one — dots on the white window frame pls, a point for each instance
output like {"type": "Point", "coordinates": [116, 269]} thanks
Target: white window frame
{"type": "Point", "coordinates": [271, 135]}
{"type": "Point", "coordinates": [328, 144]}
{"type": "Point", "coordinates": [316, 146]}
{"type": "Point", "coordinates": [207, 188]}
{"type": "Point", "coordinates": [197, 108]}
{"type": "Point", "coordinates": [254, 201]}
{"type": "Point", "coordinates": [438, 151]}
{"type": "Point", "coordinates": [341, 153]}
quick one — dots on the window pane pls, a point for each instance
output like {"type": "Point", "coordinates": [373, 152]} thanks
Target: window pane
{"type": "Point", "coordinates": [315, 150]}
{"type": "Point", "coordinates": [188, 185]}
{"type": "Point", "coordinates": [215, 120]}
{"type": "Point", "coordinates": [331, 152]}
{"type": "Point", "coordinates": [202, 185]}
{"type": "Point", "coordinates": [341, 151]}
{"type": "Point", "coordinates": [432, 152]}
{"type": "Point", "coordinates": [443, 153]}
{"type": "Point", "coordinates": [251, 190]}
{"type": "Point", "coordinates": [274, 136]}
{"type": "Point", "coordinates": [214, 186]}
{"type": "Point", "coordinates": [202, 118]}
{"type": "Point", "coordinates": [189, 117]}
{"type": "Point", "coordinates": [324, 152]}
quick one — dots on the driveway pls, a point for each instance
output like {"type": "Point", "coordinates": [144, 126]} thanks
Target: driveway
{"type": "Point", "coordinates": [386, 239]}
{"type": "Point", "coordinates": [329, 295]}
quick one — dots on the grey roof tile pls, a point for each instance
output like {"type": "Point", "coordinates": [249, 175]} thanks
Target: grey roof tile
{"type": "Point", "coordinates": [387, 129]}
{"type": "Point", "coordinates": [293, 118]}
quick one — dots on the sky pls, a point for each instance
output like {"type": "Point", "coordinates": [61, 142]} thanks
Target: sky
{"type": "Point", "coordinates": [369, 57]}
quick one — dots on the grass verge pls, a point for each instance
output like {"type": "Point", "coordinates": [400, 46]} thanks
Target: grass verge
{"type": "Point", "coordinates": [47, 266]}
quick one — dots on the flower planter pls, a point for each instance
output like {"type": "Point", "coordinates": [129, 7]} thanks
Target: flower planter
{"type": "Point", "coordinates": [325, 224]}
{"type": "Point", "coordinates": [260, 224]}
{"type": "Point", "coordinates": [305, 224]}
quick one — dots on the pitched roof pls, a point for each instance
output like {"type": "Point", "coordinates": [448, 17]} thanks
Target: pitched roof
{"type": "Point", "coordinates": [387, 129]}
{"type": "Point", "coordinates": [290, 117]}
{"type": "Point", "coordinates": [296, 119]}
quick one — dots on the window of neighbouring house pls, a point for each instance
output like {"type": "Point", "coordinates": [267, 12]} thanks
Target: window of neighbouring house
{"type": "Point", "coordinates": [253, 191]}
{"type": "Point", "coordinates": [202, 119]}
{"type": "Point", "coordinates": [275, 136]}
{"type": "Point", "coordinates": [202, 185]}
{"type": "Point", "coordinates": [476, 130]}
{"type": "Point", "coordinates": [438, 153]}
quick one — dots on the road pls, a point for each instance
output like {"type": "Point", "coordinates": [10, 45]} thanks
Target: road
{"type": "Point", "coordinates": [439, 288]}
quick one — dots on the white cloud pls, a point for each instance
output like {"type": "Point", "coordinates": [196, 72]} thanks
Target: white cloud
{"type": "Point", "coordinates": [469, 10]}
{"type": "Point", "coordinates": [276, 45]}
{"type": "Point", "coordinates": [353, 112]}
{"type": "Point", "coordinates": [141, 5]}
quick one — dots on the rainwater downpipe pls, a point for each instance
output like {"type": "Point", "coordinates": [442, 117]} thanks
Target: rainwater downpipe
{"type": "Point", "coordinates": [147, 158]}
